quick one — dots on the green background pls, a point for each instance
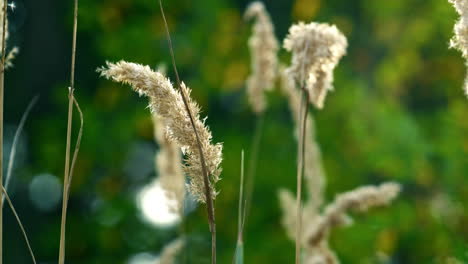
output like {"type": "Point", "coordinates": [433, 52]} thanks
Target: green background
{"type": "Point", "coordinates": [398, 113]}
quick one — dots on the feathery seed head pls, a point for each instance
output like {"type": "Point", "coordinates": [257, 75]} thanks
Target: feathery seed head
{"type": "Point", "coordinates": [316, 50]}
{"type": "Point", "coordinates": [360, 199]}
{"type": "Point", "coordinates": [168, 103]}
{"type": "Point", "coordinates": [460, 39]}
{"type": "Point", "coordinates": [170, 252]}
{"type": "Point", "coordinates": [263, 49]}
{"type": "Point", "coordinates": [169, 165]}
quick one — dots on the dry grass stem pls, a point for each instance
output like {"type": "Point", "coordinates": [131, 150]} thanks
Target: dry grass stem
{"type": "Point", "coordinates": [300, 172]}
{"type": "Point", "coordinates": [210, 206]}
{"type": "Point", "coordinates": [3, 18]}
{"type": "Point", "coordinates": [68, 171]}
{"type": "Point", "coordinates": [77, 144]}
{"type": "Point", "coordinates": [316, 50]}
{"type": "Point", "coordinates": [23, 231]}
{"type": "Point", "coordinates": [313, 169]}
{"type": "Point", "coordinates": [11, 159]}
{"type": "Point", "coordinates": [460, 39]}
{"type": "Point", "coordinates": [263, 49]}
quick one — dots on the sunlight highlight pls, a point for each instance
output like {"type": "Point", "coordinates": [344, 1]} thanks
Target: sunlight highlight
{"type": "Point", "coordinates": [155, 206]}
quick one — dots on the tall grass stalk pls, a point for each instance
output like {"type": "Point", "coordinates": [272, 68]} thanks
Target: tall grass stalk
{"type": "Point", "coordinates": [68, 172]}
{"type": "Point", "coordinates": [300, 171]}
{"type": "Point", "coordinates": [209, 198]}
{"type": "Point", "coordinates": [2, 86]}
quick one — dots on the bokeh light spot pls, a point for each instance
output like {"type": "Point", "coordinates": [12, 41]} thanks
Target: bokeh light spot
{"type": "Point", "coordinates": [155, 206]}
{"type": "Point", "coordinates": [45, 191]}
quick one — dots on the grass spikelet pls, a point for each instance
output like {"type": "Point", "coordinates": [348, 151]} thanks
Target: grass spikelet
{"type": "Point", "coordinates": [460, 40]}
{"type": "Point", "coordinates": [359, 200]}
{"type": "Point", "coordinates": [168, 165]}
{"type": "Point", "coordinates": [263, 49]}
{"type": "Point", "coordinates": [169, 253]}
{"type": "Point", "coordinates": [316, 50]}
{"type": "Point", "coordinates": [167, 103]}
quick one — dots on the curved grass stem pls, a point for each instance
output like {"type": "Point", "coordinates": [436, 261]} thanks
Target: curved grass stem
{"type": "Point", "coordinates": [206, 182]}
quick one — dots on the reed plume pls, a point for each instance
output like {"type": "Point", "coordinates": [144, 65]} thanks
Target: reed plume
{"type": "Point", "coordinates": [169, 253]}
{"type": "Point", "coordinates": [318, 223]}
{"type": "Point", "coordinates": [318, 226]}
{"type": "Point", "coordinates": [316, 50]}
{"type": "Point", "coordinates": [168, 165]}
{"type": "Point", "coordinates": [168, 104]}
{"type": "Point", "coordinates": [460, 39]}
{"type": "Point", "coordinates": [358, 200]}
{"type": "Point", "coordinates": [263, 49]}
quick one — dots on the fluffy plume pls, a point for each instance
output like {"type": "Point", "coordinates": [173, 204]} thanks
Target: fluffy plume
{"type": "Point", "coordinates": [313, 170]}
{"type": "Point", "coordinates": [11, 57]}
{"type": "Point", "coordinates": [460, 40]}
{"type": "Point", "coordinates": [169, 165]}
{"type": "Point", "coordinates": [359, 200]}
{"type": "Point", "coordinates": [169, 253]}
{"type": "Point", "coordinates": [318, 226]}
{"type": "Point", "coordinates": [316, 50]}
{"type": "Point", "coordinates": [321, 254]}
{"type": "Point", "coordinates": [263, 49]}
{"type": "Point", "coordinates": [168, 103]}
{"type": "Point", "coordinates": [288, 207]}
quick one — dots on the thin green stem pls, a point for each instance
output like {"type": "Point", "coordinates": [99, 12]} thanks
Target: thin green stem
{"type": "Point", "coordinates": [241, 213]}
{"type": "Point", "coordinates": [251, 175]}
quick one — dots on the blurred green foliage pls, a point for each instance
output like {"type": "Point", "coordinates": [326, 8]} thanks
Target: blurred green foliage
{"type": "Point", "coordinates": [398, 113]}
